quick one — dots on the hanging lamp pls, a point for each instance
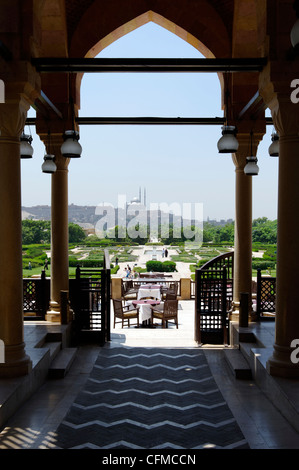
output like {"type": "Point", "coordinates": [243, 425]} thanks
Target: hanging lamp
{"type": "Point", "coordinates": [26, 149]}
{"type": "Point", "coordinates": [228, 143]}
{"type": "Point", "coordinates": [295, 34]}
{"type": "Point", "coordinates": [274, 147]}
{"type": "Point", "coordinates": [251, 168]}
{"type": "Point", "coordinates": [295, 29]}
{"type": "Point", "coordinates": [49, 165]}
{"type": "Point", "coordinates": [71, 147]}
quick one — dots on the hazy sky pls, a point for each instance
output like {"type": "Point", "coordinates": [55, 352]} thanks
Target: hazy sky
{"type": "Point", "coordinates": [175, 164]}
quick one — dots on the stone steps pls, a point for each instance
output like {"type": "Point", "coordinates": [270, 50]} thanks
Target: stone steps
{"type": "Point", "coordinates": [238, 364]}
{"type": "Point", "coordinates": [62, 363]}
{"type": "Point", "coordinates": [61, 357]}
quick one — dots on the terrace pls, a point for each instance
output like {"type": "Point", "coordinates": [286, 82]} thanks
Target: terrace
{"type": "Point", "coordinates": [45, 48]}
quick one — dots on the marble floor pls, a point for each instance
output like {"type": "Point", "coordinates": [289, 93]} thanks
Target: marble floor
{"type": "Point", "coordinates": [34, 425]}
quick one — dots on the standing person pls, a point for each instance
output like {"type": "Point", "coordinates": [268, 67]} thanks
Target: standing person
{"type": "Point", "coordinates": [116, 261]}
{"type": "Point", "coordinates": [163, 253]}
{"type": "Point", "coordinates": [166, 253]}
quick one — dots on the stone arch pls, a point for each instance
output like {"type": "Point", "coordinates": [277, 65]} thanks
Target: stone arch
{"type": "Point", "coordinates": [207, 45]}
{"type": "Point", "coordinates": [103, 23]}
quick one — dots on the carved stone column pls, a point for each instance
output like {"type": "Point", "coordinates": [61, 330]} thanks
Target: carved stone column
{"type": "Point", "coordinates": [286, 119]}
{"type": "Point", "coordinates": [12, 120]}
{"type": "Point", "coordinates": [243, 223]}
{"type": "Point", "coordinates": [59, 230]}
{"type": "Point", "coordinates": [243, 226]}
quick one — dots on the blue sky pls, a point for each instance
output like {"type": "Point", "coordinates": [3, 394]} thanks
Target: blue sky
{"type": "Point", "coordinates": [176, 164]}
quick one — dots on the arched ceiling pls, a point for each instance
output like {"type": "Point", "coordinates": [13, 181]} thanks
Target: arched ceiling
{"type": "Point", "coordinates": [217, 28]}
{"type": "Point", "coordinates": [101, 23]}
{"type": "Point", "coordinates": [76, 8]}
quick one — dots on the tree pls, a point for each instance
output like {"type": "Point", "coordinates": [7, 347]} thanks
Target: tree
{"type": "Point", "coordinates": [36, 231]}
{"type": "Point", "coordinates": [76, 233]}
{"type": "Point", "coordinates": [264, 230]}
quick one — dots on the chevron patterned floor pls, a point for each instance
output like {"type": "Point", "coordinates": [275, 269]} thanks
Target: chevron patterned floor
{"type": "Point", "coordinates": [150, 398]}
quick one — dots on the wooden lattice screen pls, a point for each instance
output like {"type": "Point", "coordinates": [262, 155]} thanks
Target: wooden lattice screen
{"type": "Point", "coordinates": [265, 296]}
{"type": "Point", "coordinates": [211, 323]}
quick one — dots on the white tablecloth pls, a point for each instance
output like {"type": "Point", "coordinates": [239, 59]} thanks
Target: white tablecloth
{"type": "Point", "coordinates": [145, 292]}
{"type": "Point", "coordinates": [145, 311]}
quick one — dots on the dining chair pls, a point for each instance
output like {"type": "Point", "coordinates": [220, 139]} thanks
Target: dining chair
{"type": "Point", "coordinates": [167, 311]}
{"type": "Point", "coordinates": [172, 289]}
{"type": "Point", "coordinates": [128, 291]}
{"type": "Point", "coordinates": [124, 313]}
{"type": "Point", "coordinates": [170, 296]}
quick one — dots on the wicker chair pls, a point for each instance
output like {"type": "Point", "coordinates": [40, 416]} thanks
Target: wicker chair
{"type": "Point", "coordinates": [124, 313]}
{"type": "Point", "coordinates": [167, 311]}
{"type": "Point", "coordinates": [128, 291]}
{"type": "Point", "coordinates": [172, 290]}
{"type": "Point", "coordinates": [170, 296]}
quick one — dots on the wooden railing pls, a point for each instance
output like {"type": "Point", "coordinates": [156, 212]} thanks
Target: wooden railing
{"type": "Point", "coordinates": [36, 297]}
{"type": "Point", "coordinates": [225, 259]}
{"type": "Point", "coordinates": [265, 297]}
{"type": "Point", "coordinates": [88, 296]}
{"type": "Point", "coordinates": [211, 306]}
{"type": "Point", "coordinates": [90, 301]}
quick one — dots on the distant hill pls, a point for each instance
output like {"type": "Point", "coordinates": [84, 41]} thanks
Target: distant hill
{"type": "Point", "coordinates": [85, 216]}
{"type": "Point", "coordinates": [77, 214]}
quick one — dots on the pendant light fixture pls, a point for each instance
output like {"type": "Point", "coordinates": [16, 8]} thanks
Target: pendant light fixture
{"type": "Point", "coordinates": [295, 30]}
{"type": "Point", "coordinates": [26, 150]}
{"type": "Point", "coordinates": [274, 147]}
{"type": "Point", "coordinates": [71, 147]}
{"type": "Point", "coordinates": [228, 143]}
{"type": "Point", "coordinates": [49, 165]}
{"type": "Point", "coordinates": [251, 167]}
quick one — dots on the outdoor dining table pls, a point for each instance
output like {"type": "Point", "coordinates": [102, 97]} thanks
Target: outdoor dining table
{"type": "Point", "coordinates": [152, 280]}
{"type": "Point", "coordinates": [149, 290]}
{"type": "Point", "coordinates": [144, 305]}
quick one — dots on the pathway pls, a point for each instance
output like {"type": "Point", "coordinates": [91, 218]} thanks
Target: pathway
{"type": "Point", "coordinates": [150, 398]}
{"type": "Point", "coordinates": [183, 270]}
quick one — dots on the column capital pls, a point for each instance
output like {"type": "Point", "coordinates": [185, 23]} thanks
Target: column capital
{"type": "Point", "coordinates": [247, 143]}
{"type": "Point", "coordinates": [53, 143]}
{"type": "Point", "coordinates": [21, 88]}
{"type": "Point", "coordinates": [278, 86]}
{"type": "Point", "coordinates": [12, 119]}
{"type": "Point", "coordinates": [286, 117]}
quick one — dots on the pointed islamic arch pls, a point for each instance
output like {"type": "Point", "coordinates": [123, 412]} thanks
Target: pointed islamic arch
{"type": "Point", "coordinates": [216, 28]}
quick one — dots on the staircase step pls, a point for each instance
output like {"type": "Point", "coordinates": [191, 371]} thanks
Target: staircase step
{"type": "Point", "coordinates": [62, 363]}
{"type": "Point", "coordinates": [54, 347]}
{"type": "Point", "coordinates": [238, 364]}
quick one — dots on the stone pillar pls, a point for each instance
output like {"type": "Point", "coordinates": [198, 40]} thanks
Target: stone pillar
{"type": "Point", "coordinates": [12, 121]}
{"type": "Point", "coordinates": [185, 289]}
{"type": "Point", "coordinates": [286, 120]}
{"type": "Point", "coordinates": [243, 224]}
{"type": "Point", "coordinates": [59, 231]}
